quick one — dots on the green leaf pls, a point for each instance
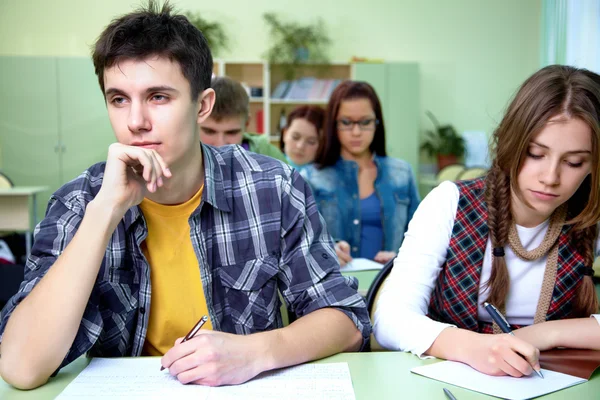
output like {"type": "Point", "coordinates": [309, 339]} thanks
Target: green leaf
{"type": "Point", "coordinates": [213, 32]}
{"type": "Point", "coordinates": [444, 140]}
{"type": "Point", "coordinates": [289, 37]}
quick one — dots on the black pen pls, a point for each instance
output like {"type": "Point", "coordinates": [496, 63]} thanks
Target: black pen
{"type": "Point", "coordinates": [503, 324]}
{"type": "Point", "coordinates": [449, 394]}
{"type": "Point", "coordinates": [192, 332]}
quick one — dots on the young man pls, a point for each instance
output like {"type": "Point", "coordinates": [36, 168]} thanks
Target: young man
{"type": "Point", "coordinates": [229, 120]}
{"type": "Point", "coordinates": [135, 250]}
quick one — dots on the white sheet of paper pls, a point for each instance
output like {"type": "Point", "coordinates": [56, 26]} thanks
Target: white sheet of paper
{"type": "Point", "coordinates": [141, 378]}
{"type": "Point", "coordinates": [361, 264]}
{"type": "Point", "coordinates": [506, 387]}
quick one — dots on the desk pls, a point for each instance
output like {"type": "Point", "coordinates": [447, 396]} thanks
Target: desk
{"type": "Point", "coordinates": [380, 375]}
{"type": "Point", "coordinates": [15, 212]}
{"type": "Point", "coordinates": [365, 278]}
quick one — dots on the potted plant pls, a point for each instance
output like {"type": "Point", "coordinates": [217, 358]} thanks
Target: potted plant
{"type": "Point", "coordinates": [443, 143]}
{"type": "Point", "coordinates": [293, 43]}
{"type": "Point", "coordinates": [213, 32]}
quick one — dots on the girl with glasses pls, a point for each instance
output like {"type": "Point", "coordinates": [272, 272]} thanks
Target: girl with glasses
{"type": "Point", "coordinates": [366, 197]}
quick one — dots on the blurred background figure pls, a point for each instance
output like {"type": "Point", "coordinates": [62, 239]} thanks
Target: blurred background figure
{"type": "Point", "coordinates": [300, 137]}
{"type": "Point", "coordinates": [366, 198]}
{"type": "Point", "coordinates": [229, 120]}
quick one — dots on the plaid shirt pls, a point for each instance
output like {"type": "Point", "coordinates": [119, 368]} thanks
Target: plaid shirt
{"type": "Point", "coordinates": [454, 299]}
{"type": "Point", "coordinates": [256, 232]}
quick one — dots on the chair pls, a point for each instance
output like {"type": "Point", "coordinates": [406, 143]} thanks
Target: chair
{"type": "Point", "coordinates": [12, 239]}
{"type": "Point", "coordinates": [373, 296]}
{"type": "Point", "coordinates": [11, 276]}
{"type": "Point", "coordinates": [472, 173]}
{"type": "Point", "coordinates": [449, 173]}
{"type": "Point", "coordinates": [5, 182]}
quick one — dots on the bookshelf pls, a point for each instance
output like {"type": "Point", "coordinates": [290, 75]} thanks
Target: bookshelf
{"type": "Point", "coordinates": [268, 77]}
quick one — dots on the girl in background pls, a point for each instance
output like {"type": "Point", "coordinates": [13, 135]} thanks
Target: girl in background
{"type": "Point", "coordinates": [300, 137]}
{"type": "Point", "coordinates": [366, 197]}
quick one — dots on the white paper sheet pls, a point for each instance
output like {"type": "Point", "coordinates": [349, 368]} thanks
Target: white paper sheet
{"type": "Point", "coordinates": [506, 387]}
{"type": "Point", "coordinates": [361, 264]}
{"type": "Point", "coordinates": [141, 378]}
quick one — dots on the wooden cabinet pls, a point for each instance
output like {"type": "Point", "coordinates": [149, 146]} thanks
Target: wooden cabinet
{"type": "Point", "coordinates": [397, 85]}
{"type": "Point", "coordinates": [53, 121]}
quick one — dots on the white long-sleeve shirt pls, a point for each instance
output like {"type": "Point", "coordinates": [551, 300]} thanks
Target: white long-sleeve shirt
{"type": "Point", "coordinates": [401, 321]}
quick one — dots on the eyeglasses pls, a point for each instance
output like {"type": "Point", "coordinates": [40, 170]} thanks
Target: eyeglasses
{"type": "Point", "coordinates": [367, 124]}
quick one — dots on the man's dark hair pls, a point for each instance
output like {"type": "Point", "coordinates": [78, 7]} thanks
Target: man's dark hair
{"type": "Point", "coordinates": [155, 31]}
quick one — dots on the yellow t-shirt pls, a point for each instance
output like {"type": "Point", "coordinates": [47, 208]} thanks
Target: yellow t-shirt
{"type": "Point", "coordinates": [177, 300]}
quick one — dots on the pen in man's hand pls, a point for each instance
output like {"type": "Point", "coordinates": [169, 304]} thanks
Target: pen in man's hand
{"type": "Point", "coordinates": [449, 394]}
{"type": "Point", "coordinates": [503, 324]}
{"type": "Point", "coordinates": [192, 332]}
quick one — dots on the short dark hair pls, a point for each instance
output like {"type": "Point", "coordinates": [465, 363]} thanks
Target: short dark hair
{"type": "Point", "coordinates": [313, 114]}
{"type": "Point", "coordinates": [155, 31]}
{"type": "Point", "coordinates": [231, 99]}
{"type": "Point", "coordinates": [330, 147]}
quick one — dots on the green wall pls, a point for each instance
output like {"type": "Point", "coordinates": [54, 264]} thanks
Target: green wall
{"type": "Point", "coordinates": [472, 54]}
{"type": "Point", "coordinates": [53, 121]}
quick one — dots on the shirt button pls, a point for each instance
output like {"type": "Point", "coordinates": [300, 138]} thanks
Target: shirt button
{"type": "Point", "coordinates": [354, 196]}
{"type": "Point", "coordinates": [142, 310]}
{"type": "Point", "coordinates": [355, 222]}
{"type": "Point", "coordinates": [354, 249]}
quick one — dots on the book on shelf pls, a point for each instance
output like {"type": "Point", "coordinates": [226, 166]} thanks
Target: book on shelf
{"type": "Point", "coordinates": [281, 90]}
{"type": "Point", "coordinates": [260, 123]}
{"type": "Point", "coordinates": [304, 89]}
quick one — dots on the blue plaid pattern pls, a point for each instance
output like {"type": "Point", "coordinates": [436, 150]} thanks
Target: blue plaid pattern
{"type": "Point", "coordinates": [257, 232]}
{"type": "Point", "coordinates": [455, 296]}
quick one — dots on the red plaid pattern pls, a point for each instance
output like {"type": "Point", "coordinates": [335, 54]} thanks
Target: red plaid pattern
{"type": "Point", "coordinates": [454, 299]}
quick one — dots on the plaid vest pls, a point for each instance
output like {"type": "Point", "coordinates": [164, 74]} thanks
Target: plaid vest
{"type": "Point", "coordinates": [454, 299]}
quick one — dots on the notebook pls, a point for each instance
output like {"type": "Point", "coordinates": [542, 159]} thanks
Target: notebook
{"type": "Point", "coordinates": [581, 363]}
{"type": "Point", "coordinates": [506, 387]}
{"type": "Point", "coordinates": [361, 264]}
{"type": "Point", "coordinates": [141, 378]}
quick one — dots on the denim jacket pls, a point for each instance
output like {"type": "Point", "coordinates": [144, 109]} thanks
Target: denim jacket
{"type": "Point", "coordinates": [335, 190]}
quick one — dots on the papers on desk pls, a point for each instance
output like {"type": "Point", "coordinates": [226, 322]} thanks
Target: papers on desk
{"type": "Point", "coordinates": [506, 387]}
{"type": "Point", "coordinates": [361, 264]}
{"type": "Point", "coordinates": [141, 378]}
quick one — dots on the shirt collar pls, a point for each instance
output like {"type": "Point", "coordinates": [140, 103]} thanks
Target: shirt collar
{"type": "Point", "coordinates": [217, 179]}
{"type": "Point", "coordinates": [217, 185]}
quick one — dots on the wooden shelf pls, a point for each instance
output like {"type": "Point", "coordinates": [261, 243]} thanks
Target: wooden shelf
{"type": "Point", "coordinates": [251, 74]}
{"type": "Point", "coordinates": [293, 101]}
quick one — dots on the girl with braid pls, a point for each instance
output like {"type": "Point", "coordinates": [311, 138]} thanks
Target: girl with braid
{"type": "Point", "coordinates": [522, 238]}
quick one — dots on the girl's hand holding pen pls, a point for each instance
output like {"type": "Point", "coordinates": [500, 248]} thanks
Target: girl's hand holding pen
{"type": "Point", "coordinates": [502, 354]}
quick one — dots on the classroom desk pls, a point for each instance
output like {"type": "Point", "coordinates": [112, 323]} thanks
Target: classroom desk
{"type": "Point", "coordinates": [15, 212]}
{"type": "Point", "coordinates": [380, 375]}
{"type": "Point", "coordinates": [365, 278]}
